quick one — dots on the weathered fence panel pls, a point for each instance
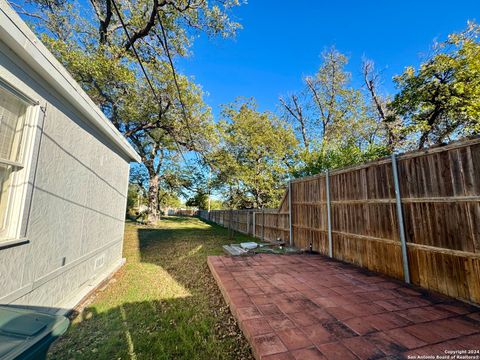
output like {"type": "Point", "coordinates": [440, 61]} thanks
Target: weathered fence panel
{"type": "Point", "coordinates": [181, 212]}
{"type": "Point", "coordinates": [439, 192]}
{"type": "Point", "coordinates": [242, 220]}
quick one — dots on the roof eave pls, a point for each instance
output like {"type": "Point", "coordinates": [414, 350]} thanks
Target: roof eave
{"type": "Point", "coordinates": [18, 37]}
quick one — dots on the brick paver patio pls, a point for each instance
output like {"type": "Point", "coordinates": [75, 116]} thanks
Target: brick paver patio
{"type": "Point", "coordinates": [310, 307]}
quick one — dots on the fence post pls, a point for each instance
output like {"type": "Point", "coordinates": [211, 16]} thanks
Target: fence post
{"type": "Point", "coordinates": [248, 222]}
{"type": "Point", "coordinates": [329, 214]}
{"type": "Point", "coordinates": [230, 225]}
{"type": "Point", "coordinates": [290, 212]}
{"type": "Point", "coordinates": [236, 221]}
{"type": "Point", "coordinates": [254, 232]}
{"type": "Point", "coordinates": [401, 229]}
{"type": "Point", "coordinates": [263, 224]}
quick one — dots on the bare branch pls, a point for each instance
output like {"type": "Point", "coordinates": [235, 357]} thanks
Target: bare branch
{"type": "Point", "coordinates": [148, 26]}
{"type": "Point", "coordinates": [318, 101]}
{"type": "Point", "coordinates": [371, 80]}
{"type": "Point", "coordinates": [21, 11]}
{"type": "Point", "coordinates": [297, 114]}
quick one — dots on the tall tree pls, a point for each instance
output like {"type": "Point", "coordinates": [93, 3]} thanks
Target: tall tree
{"type": "Point", "coordinates": [294, 109]}
{"type": "Point", "coordinates": [162, 151]}
{"type": "Point", "coordinates": [122, 53]}
{"type": "Point", "coordinates": [441, 100]}
{"type": "Point", "coordinates": [333, 118]}
{"type": "Point", "coordinates": [200, 200]}
{"type": "Point", "coordinates": [255, 155]}
{"type": "Point", "coordinates": [335, 104]}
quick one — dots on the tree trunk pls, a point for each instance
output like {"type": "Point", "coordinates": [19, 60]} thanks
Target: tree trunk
{"type": "Point", "coordinates": [153, 213]}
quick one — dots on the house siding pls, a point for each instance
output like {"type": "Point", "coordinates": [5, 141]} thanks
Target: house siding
{"type": "Point", "coordinates": [78, 188]}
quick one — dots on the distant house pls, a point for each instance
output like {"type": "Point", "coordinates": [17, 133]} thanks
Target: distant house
{"type": "Point", "coordinates": [63, 178]}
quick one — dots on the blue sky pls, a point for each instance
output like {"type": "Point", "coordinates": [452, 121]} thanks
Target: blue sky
{"type": "Point", "coordinates": [281, 41]}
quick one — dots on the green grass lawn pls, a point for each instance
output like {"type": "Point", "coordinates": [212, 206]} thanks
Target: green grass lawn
{"type": "Point", "coordinates": [163, 304]}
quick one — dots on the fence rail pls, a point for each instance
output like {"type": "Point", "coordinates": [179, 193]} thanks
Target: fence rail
{"type": "Point", "coordinates": [438, 205]}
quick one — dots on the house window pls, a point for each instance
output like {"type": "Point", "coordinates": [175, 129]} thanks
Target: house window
{"type": "Point", "coordinates": [13, 114]}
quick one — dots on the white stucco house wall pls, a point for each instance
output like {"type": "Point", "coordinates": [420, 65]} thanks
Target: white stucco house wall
{"type": "Point", "coordinates": [63, 178]}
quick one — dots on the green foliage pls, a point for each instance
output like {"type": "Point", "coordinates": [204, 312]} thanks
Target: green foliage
{"type": "Point", "coordinates": [337, 106]}
{"type": "Point", "coordinates": [200, 201]}
{"type": "Point", "coordinates": [437, 103]}
{"type": "Point", "coordinates": [346, 155]}
{"type": "Point", "coordinates": [216, 204]}
{"type": "Point", "coordinates": [441, 100]}
{"type": "Point", "coordinates": [254, 157]}
{"type": "Point", "coordinates": [251, 153]}
{"type": "Point", "coordinates": [134, 197]}
{"type": "Point", "coordinates": [334, 119]}
{"type": "Point", "coordinates": [168, 199]}
{"type": "Point", "coordinates": [161, 117]}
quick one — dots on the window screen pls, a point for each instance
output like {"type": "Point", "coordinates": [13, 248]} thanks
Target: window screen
{"type": "Point", "coordinates": [12, 116]}
{"type": "Point", "coordinates": [12, 120]}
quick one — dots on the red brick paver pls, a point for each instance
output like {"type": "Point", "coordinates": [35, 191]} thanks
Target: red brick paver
{"type": "Point", "coordinates": [311, 307]}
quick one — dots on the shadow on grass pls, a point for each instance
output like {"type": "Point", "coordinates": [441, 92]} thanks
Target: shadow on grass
{"type": "Point", "coordinates": [177, 219]}
{"type": "Point", "coordinates": [164, 304]}
{"type": "Point", "coordinates": [166, 329]}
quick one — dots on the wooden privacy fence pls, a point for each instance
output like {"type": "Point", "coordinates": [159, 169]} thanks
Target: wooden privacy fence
{"type": "Point", "coordinates": [263, 224]}
{"type": "Point", "coordinates": [181, 212]}
{"type": "Point", "coordinates": [359, 215]}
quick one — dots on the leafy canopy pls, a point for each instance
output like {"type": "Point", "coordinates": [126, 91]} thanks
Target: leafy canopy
{"type": "Point", "coordinates": [257, 150]}
{"type": "Point", "coordinates": [440, 101]}
{"type": "Point", "coordinates": [334, 120]}
{"type": "Point", "coordinates": [123, 52]}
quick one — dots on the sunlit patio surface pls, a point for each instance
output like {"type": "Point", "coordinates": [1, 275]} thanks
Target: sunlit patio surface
{"type": "Point", "coordinates": [310, 307]}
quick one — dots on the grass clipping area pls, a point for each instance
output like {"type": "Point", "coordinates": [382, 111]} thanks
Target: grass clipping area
{"type": "Point", "coordinates": [163, 304]}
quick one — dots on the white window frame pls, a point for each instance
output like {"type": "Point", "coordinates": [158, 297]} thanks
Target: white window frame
{"type": "Point", "coordinates": [19, 176]}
